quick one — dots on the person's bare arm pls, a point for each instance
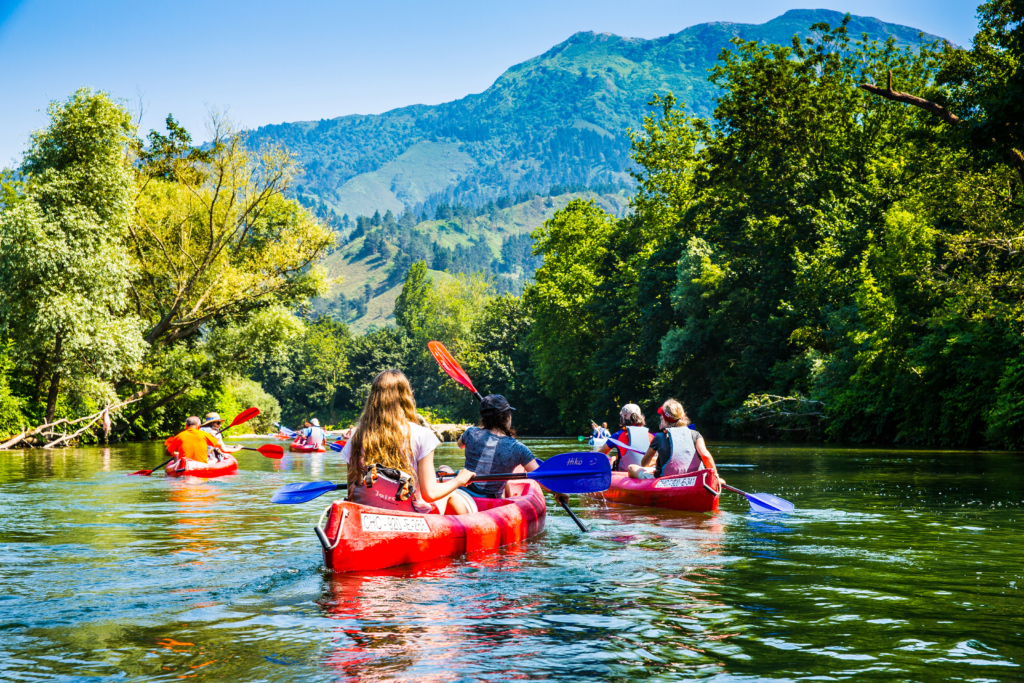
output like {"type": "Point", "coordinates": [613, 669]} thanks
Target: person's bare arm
{"type": "Point", "coordinates": [430, 488]}
{"type": "Point", "coordinates": [705, 455]}
{"type": "Point", "coordinates": [650, 457]}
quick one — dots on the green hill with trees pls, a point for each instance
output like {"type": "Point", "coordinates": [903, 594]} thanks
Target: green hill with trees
{"type": "Point", "coordinates": [553, 125]}
{"type": "Point", "coordinates": [557, 119]}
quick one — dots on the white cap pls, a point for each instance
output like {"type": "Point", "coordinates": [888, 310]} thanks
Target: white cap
{"type": "Point", "coordinates": [630, 409]}
{"type": "Point", "coordinates": [315, 422]}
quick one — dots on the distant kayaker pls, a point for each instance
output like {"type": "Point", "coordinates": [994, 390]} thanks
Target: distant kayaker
{"type": "Point", "coordinates": [599, 431]}
{"type": "Point", "coordinates": [304, 431]}
{"type": "Point", "coordinates": [192, 443]}
{"type": "Point", "coordinates": [390, 456]}
{"type": "Point", "coordinates": [677, 449]}
{"type": "Point", "coordinates": [315, 436]}
{"type": "Point", "coordinates": [492, 448]}
{"type": "Point", "coordinates": [633, 432]}
{"type": "Point", "coordinates": [212, 426]}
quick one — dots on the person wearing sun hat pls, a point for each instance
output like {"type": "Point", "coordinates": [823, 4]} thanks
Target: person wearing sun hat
{"type": "Point", "coordinates": [315, 435]}
{"type": "Point", "coordinates": [212, 424]}
{"type": "Point", "coordinates": [633, 432]}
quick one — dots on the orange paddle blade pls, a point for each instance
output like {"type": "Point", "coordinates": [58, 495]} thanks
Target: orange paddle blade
{"type": "Point", "coordinates": [450, 366]}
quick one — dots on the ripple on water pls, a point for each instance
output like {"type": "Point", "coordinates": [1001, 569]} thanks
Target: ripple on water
{"type": "Point", "coordinates": [106, 576]}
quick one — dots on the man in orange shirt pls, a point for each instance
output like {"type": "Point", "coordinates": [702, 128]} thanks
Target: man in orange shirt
{"type": "Point", "coordinates": [192, 442]}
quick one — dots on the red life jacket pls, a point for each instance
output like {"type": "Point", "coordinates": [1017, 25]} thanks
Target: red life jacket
{"type": "Point", "coordinates": [390, 489]}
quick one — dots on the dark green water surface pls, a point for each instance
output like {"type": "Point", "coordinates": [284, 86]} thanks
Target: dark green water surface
{"type": "Point", "coordinates": [897, 565]}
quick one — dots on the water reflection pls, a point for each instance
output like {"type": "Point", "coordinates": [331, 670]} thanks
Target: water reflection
{"type": "Point", "coordinates": [196, 527]}
{"type": "Point", "coordinates": [104, 576]}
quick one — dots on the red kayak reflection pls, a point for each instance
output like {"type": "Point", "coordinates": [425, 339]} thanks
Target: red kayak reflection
{"type": "Point", "coordinates": [374, 643]}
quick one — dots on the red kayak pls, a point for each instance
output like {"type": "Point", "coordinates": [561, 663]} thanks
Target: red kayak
{"type": "Point", "coordinates": [297, 447]}
{"type": "Point", "coordinates": [694, 492]}
{"type": "Point", "coordinates": [358, 537]}
{"type": "Point", "coordinates": [207, 470]}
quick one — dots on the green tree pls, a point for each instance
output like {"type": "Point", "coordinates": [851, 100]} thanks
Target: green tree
{"type": "Point", "coordinates": [64, 273]}
{"type": "Point", "coordinates": [324, 363]}
{"type": "Point", "coordinates": [564, 332]}
{"type": "Point", "coordinates": [504, 364]}
{"type": "Point", "coordinates": [411, 304]}
{"type": "Point", "coordinates": [215, 241]}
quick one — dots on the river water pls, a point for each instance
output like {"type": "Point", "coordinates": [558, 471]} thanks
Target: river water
{"type": "Point", "coordinates": [897, 565]}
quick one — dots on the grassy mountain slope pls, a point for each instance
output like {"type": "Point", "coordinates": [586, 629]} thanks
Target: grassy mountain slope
{"type": "Point", "coordinates": [375, 279]}
{"type": "Point", "coordinates": [558, 118]}
{"type": "Point", "coordinates": [553, 123]}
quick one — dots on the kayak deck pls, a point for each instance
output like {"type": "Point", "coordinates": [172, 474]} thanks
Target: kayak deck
{"type": "Point", "coordinates": [207, 470]}
{"type": "Point", "coordinates": [691, 492]}
{"type": "Point", "coordinates": [297, 447]}
{"type": "Point", "coordinates": [359, 537]}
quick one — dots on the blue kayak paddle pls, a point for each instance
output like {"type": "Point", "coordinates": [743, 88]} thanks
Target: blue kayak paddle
{"type": "Point", "coordinates": [763, 502]}
{"type": "Point", "coordinates": [565, 473]}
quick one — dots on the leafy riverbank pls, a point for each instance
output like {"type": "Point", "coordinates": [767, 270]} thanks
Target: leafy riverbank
{"type": "Point", "coordinates": [834, 254]}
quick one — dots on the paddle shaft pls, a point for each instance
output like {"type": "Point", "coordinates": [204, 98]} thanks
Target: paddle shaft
{"type": "Point", "coordinates": [576, 519]}
{"type": "Point", "coordinates": [146, 473]}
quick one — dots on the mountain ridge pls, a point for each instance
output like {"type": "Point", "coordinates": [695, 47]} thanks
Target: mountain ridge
{"type": "Point", "coordinates": [475, 175]}
{"type": "Point", "coordinates": [556, 119]}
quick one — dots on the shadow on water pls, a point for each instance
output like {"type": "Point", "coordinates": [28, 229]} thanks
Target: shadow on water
{"type": "Point", "coordinates": [896, 565]}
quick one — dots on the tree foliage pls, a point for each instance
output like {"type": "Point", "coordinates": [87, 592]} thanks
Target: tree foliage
{"type": "Point", "coordinates": [65, 276]}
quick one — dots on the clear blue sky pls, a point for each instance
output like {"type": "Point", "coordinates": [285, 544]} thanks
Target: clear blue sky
{"type": "Point", "coordinates": [268, 62]}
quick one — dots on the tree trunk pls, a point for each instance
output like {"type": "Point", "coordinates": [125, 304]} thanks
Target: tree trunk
{"type": "Point", "coordinates": [51, 396]}
{"type": "Point", "coordinates": [40, 381]}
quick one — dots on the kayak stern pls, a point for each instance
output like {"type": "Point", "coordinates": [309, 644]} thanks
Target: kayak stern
{"type": "Point", "coordinates": [359, 537]}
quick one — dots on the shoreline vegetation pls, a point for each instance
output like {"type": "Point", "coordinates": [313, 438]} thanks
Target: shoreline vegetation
{"type": "Point", "coordinates": [835, 255]}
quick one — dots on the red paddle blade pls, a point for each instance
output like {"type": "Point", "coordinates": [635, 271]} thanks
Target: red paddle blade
{"type": "Point", "coordinates": [244, 416]}
{"type": "Point", "coordinates": [271, 450]}
{"type": "Point", "coordinates": [448, 364]}
{"type": "Point", "coordinates": [140, 473]}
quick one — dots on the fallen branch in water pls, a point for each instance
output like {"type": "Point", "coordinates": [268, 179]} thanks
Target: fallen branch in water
{"type": "Point", "coordinates": [782, 413]}
{"type": "Point", "coordinates": [47, 429]}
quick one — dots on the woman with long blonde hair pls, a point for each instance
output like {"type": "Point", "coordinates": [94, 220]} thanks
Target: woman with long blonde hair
{"type": "Point", "coordinates": [390, 456]}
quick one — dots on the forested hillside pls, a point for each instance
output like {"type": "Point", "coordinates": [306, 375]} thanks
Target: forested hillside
{"type": "Point", "coordinates": [372, 259]}
{"type": "Point", "coordinates": [548, 130]}
{"type": "Point", "coordinates": [557, 119]}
